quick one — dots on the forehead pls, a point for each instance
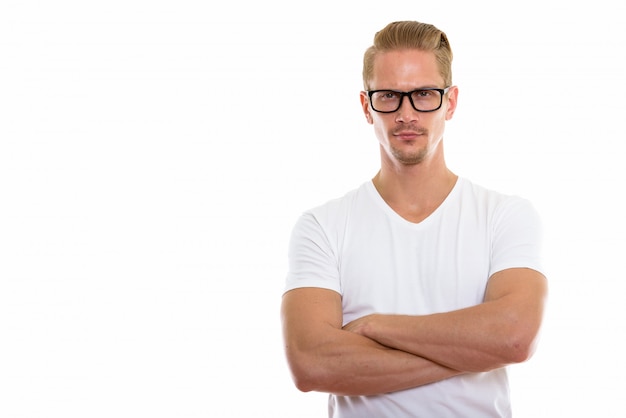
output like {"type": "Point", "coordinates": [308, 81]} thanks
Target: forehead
{"type": "Point", "coordinates": [406, 69]}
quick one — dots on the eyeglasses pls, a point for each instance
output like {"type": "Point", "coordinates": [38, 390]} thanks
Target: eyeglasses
{"type": "Point", "coordinates": [422, 100]}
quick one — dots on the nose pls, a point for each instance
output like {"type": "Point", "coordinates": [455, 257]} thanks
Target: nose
{"type": "Point", "coordinates": [406, 112]}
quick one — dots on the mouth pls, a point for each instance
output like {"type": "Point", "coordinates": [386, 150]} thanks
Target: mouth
{"type": "Point", "coordinates": [408, 135]}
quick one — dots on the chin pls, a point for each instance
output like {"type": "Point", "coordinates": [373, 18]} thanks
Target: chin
{"type": "Point", "coordinates": [409, 158]}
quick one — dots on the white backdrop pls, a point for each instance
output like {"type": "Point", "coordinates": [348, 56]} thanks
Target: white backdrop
{"type": "Point", "coordinates": [154, 156]}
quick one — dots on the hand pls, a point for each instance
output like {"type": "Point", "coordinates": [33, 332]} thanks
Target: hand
{"type": "Point", "coordinates": [361, 325]}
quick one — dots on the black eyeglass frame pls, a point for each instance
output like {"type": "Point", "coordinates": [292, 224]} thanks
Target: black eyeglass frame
{"type": "Point", "coordinates": [408, 94]}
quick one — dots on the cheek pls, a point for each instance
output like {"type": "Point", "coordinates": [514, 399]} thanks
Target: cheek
{"type": "Point", "coordinates": [381, 132]}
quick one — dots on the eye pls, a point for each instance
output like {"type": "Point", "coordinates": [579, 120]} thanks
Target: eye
{"type": "Point", "coordinates": [388, 95]}
{"type": "Point", "coordinates": [423, 93]}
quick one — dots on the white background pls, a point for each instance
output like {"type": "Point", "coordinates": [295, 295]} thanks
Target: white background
{"type": "Point", "coordinates": [155, 154]}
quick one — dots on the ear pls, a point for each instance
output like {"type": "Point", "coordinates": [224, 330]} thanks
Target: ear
{"type": "Point", "coordinates": [365, 104]}
{"type": "Point", "coordinates": [453, 95]}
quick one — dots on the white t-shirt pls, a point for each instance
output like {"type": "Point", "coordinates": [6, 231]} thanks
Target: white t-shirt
{"type": "Point", "coordinates": [381, 263]}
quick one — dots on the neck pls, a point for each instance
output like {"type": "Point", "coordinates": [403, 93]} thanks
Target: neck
{"type": "Point", "coordinates": [415, 191]}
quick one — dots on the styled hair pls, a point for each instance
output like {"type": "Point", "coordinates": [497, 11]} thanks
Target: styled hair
{"type": "Point", "coordinates": [410, 35]}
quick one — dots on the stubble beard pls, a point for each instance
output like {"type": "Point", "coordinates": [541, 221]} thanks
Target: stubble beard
{"type": "Point", "coordinates": [414, 157]}
{"type": "Point", "coordinates": [409, 158]}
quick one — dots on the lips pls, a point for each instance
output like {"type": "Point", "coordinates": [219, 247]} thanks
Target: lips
{"type": "Point", "coordinates": [407, 135]}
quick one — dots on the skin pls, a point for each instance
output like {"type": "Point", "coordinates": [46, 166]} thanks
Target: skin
{"type": "Point", "coordinates": [413, 178]}
{"type": "Point", "coordinates": [385, 353]}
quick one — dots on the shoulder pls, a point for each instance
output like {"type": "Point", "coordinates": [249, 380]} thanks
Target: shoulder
{"type": "Point", "coordinates": [495, 202]}
{"type": "Point", "coordinates": [338, 208]}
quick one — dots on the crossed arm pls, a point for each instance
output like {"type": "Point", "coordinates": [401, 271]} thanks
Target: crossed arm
{"type": "Point", "coordinates": [384, 353]}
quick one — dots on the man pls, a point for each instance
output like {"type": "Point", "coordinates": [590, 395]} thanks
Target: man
{"type": "Point", "coordinates": [410, 295]}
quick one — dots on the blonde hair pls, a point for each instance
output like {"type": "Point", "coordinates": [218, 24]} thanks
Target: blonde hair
{"type": "Point", "coordinates": [410, 35]}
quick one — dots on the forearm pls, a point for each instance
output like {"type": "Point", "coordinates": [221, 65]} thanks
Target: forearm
{"type": "Point", "coordinates": [352, 364]}
{"type": "Point", "coordinates": [502, 330]}
{"type": "Point", "coordinates": [459, 340]}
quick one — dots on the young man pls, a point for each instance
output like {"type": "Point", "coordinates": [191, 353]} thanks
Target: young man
{"type": "Point", "coordinates": [408, 296]}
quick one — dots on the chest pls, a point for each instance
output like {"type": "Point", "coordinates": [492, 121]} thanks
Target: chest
{"type": "Point", "coordinates": [391, 268]}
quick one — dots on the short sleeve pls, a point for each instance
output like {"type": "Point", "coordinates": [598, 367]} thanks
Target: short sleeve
{"type": "Point", "coordinates": [517, 237]}
{"type": "Point", "coordinates": [312, 262]}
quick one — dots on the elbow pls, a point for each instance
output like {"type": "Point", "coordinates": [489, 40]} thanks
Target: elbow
{"type": "Point", "coordinates": [520, 347]}
{"type": "Point", "coordinates": [303, 381]}
{"type": "Point", "coordinates": [520, 336]}
{"type": "Point", "coordinates": [508, 351]}
{"type": "Point", "coordinates": [306, 376]}
{"type": "Point", "coordinates": [518, 353]}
